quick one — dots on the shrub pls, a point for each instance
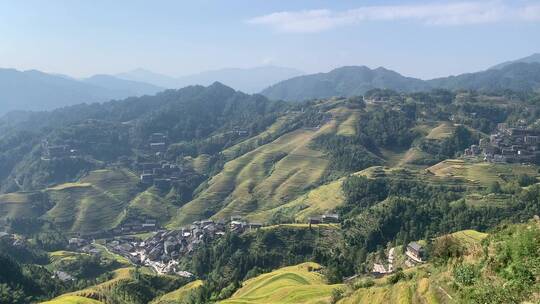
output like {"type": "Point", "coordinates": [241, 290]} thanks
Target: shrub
{"type": "Point", "coordinates": [396, 277]}
{"type": "Point", "coordinates": [465, 274]}
{"type": "Point", "coordinates": [337, 294]}
{"type": "Point", "coordinates": [444, 248]}
{"type": "Point", "coordinates": [365, 283]}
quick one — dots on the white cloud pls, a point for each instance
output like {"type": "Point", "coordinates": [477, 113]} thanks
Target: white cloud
{"type": "Point", "coordinates": [443, 14]}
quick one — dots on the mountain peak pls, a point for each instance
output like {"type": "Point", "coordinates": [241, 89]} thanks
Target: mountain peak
{"type": "Point", "coordinates": [342, 81]}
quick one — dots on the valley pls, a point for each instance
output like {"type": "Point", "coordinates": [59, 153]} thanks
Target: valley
{"type": "Point", "coordinates": [259, 200]}
{"type": "Point", "coordinates": [270, 152]}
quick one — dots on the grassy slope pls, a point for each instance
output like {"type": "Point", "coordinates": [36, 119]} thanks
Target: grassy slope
{"type": "Point", "coordinates": [261, 179]}
{"type": "Point", "coordinates": [96, 202]}
{"type": "Point", "coordinates": [152, 204]}
{"type": "Point", "coordinates": [294, 284]}
{"type": "Point", "coordinates": [268, 133]}
{"type": "Point", "coordinates": [480, 173]}
{"type": "Point", "coordinates": [443, 130]}
{"type": "Point", "coordinates": [17, 205]}
{"type": "Point", "coordinates": [98, 293]}
{"type": "Point", "coordinates": [177, 295]}
{"type": "Point", "coordinates": [315, 202]}
{"type": "Point", "coordinates": [426, 283]}
{"type": "Point", "coordinates": [62, 255]}
{"type": "Point", "coordinates": [72, 300]}
{"type": "Point", "coordinates": [279, 173]}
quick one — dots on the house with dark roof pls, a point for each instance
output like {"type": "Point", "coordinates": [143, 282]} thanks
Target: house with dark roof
{"type": "Point", "coordinates": [415, 252]}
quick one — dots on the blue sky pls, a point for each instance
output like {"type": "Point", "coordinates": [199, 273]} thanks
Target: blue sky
{"type": "Point", "coordinates": [416, 38]}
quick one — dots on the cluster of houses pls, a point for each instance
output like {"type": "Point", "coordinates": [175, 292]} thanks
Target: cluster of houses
{"type": "Point", "coordinates": [80, 244]}
{"type": "Point", "coordinates": [508, 145]}
{"type": "Point", "coordinates": [414, 253]}
{"type": "Point", "coordinates": [380, 269]}
{"type": "Point", "coordinates": [160, 174]}
{"type": "Point", "coordinates": [158, 143]}
{"type": "Point", "coordinates": [50, 151]}
{"type": "Point", "coordinates": [237, 224]}
{"type": "Point", "coordinates": [161, 251]}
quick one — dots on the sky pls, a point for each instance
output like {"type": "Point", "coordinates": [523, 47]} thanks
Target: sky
{"type": "Point", "coordinates": [422, 39]}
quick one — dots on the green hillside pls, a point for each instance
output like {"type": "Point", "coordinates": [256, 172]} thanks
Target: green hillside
{"type": "Point", "coordinates": [481, 173]}
{"type": "Point", "coordinates": [260, 179]}
{"type": "Point", "coordinates": [72, 300]}
{"type": "Point", "coordinates": [177, 296]}
{"type": "Point", "coordinates": [391, 165]}
{"type": "Point", "coordinates": [320, 200]}
{"type": "Point", "coordinates": [463, 267]}
{"type": "Point", "coordinates": [484, 269]}
{"type": "Point", "coordinates": [128, 285]}
{"type": "Point", "coordinates": [21, 205]}
{"type": "Point", "coordinates": [97, 202]}
{"type": "Point", "coordinates": [268, 176]}
{"type": "Point", "coordinates": [295, 284]}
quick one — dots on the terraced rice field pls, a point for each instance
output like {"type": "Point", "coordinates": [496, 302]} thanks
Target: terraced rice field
{"type": "Point", "coordinates": [412, 155]}
{"type": "Point", "coordinates": [18, 205]}
{"type": "Point", "coordinates": [271, 132]}
{"type": "Point", "coordinates": [482, 173]}
{"type": "Point", "coordinates": [348, 126]}
{"type": "Point", "coordinates": [470, 237]}
{"type": "Point", "coordinates": [72, 300]}
{"type": "Point", "coordinates": [262, 179]}
{"type": "Point", "coordinates": [422, 288]}
{"type": "Point", "coordinates": [318, 201]}
{"type": "Point", "coordinates": [94, 294]}
{"type": "Point", "coordinates": [64, 255]}
{"type": "Point", "coordinates": [97, 202]}
{"type": "Point", "coordinates": [15, 198]}
{"type": "Point", "coordinates": [118, 183]}
{"type": "Point", "coordinates": [444, 130]}
{"type": "Point", "coordinates": [178, 295]}
{"type": "Point", "coordinates": [295, 284]}
{"type": "Point", "coordinates": [328, 227]}
{"type": "Point", "coordinates": [491, 199]}
{"type": "Point", "coordinates": [200, 163]}
{"type": "Point", "coordinates": [69, 186]}
{"type": "Point", "coordinates": [151, 204]}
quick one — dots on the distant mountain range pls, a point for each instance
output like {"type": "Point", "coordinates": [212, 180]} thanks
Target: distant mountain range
{"type": "Point", "coordinates": [35, 90]}
{"type": "Point", "coordinates": [356, 80]}
{"type": "Point", "coordinates": [250, 80]}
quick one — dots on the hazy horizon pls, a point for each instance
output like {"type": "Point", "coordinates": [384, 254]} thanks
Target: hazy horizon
{"type": "Point", "coordinates": [423, 39]}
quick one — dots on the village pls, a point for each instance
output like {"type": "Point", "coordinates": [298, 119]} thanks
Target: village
{"type": "Point", "coordinates": [161, 250]}
{"type": "Point", "coordinates": [508, 145]}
